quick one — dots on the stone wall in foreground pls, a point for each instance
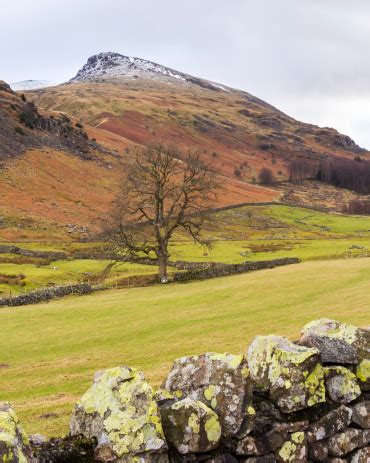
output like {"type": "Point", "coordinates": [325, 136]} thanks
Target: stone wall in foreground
{"type": "Point", "coordinates": [280, 401]}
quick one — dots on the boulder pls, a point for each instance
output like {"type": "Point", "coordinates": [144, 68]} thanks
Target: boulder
{"type": "Point", "coordinates": [361, 414]}
{"type": "Point", "coordinates": [191, 427]}
{"type": "Point", "coordinates": [293, 450]}
{"type": "Point", "coordinates": [220, 381]}
{"type": "Point", "coordinates": [14, 443]}
{"type": "Point", "coordinates": [337, 342]}
{"type": "Point", "coordinates": [331, 423]}
{"type": "Point", "coordinates": [360, 456]}
{"type": "Point", "coordinates": [119, 410]}
{"type": "Point", "coordinates": [318, 451]}
{"type": "Point", "coordinates": [341, 385]}
{"type": "Point", "coordinates": [345, 442]}
{"type": "Point", "coordinates": [292, 374]}
{"type": "Point", "coordinates": [363, 374]}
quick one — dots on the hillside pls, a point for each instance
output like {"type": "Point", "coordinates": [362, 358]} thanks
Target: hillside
{"type": "Point", "coordinates": [58, 176]}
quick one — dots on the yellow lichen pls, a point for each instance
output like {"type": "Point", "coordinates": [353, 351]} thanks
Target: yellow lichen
{"type": "Point", "coordinates": [363, 371]}
{"type": "Point", "coordinates": [213, 428]}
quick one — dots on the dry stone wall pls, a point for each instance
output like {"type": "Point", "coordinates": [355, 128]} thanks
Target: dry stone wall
{"type": "Point", "coordinates": [279, 402]}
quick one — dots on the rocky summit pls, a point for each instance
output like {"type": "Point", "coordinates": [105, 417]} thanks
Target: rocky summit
{"type": "Point", "coordinates": [280, 402]}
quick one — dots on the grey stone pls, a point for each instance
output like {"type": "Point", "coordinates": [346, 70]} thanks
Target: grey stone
{"type": "Point", "coordinates": [338, 342]}
{"type": "Point", "coordinates": [292, 374]}
{"type": "Point", "coordinates": [293, 450]}
{"type": "Point", "coordinates": [119, 410]}
{"type": "Point", "coordinates": [318, 451]}
{"type": "Point", "coordinates": [251, 446]}
{"type": "Point", "coordinates": [220, 381]}
{"type": "Point", "coordinates": [360, 456]}
{"type": "Point", "coordinates": [361, 414]}
{"type": "Point", "coordinates": [345, 442]}
{"type": "Point", "coordinates": [341, 385]}
{"type": "Point", "coordinates": [331, 423]}
{"type": "Point", "coordinates": [191, 427]}
{"type": "Point", "coordinates": [14, 443]}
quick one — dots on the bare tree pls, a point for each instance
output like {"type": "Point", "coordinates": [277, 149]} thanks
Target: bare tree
{"type": "Point", "coordinates": [162, 190]}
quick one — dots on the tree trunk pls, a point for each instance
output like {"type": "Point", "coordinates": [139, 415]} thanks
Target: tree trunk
{"type": "Point", "coordinates": [162, 263]}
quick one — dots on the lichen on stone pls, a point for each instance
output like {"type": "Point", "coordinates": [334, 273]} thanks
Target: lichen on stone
{"type": "Point", "coordinates": [120, 411]}
{"type": "Point", "coordinates": [14, 443]}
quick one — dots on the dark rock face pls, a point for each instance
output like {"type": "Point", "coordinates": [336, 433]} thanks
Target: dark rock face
{"type": "Point", "coordinates": [64, 450]}
{"type": "Point", "coordinates": [214, 409]}
{"type": "Point", "coordinates": [318, 451]}
{"type": "Point", "coordinates": [334, 422]}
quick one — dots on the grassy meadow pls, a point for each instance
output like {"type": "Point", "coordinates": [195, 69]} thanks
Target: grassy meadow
{"type": "Point", "coordinates": [49, 352]}
{"type": "Point", "coordinates": [238, 234]}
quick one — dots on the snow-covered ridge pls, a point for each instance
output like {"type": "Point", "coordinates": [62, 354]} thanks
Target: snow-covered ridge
{"type": "Point", "coordinates": [113, 65]}
{"type": "Point", "coordinates": [31, 85]}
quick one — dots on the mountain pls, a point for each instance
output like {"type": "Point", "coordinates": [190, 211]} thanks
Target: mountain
{"type": "Point", "coordinates": [31, 85]}
{"type": "Point", "coordinates": [123, 102]}
{"type": "Point", "coordinates": [112, 65]}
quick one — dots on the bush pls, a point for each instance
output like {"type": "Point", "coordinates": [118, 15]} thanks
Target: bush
{"type": "Point", "coordinates": [266, 177]}
{"type": "Point", "coordinates": [19, 130]}
{"type": "Point", "coordinates": [79, 125]}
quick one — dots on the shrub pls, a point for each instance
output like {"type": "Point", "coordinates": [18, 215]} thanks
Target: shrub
{"type": "Point", "coordinates": [79, 125]}
{"type": "Point", "coordinates": [19, 130]}
{"type": "Point", "coordinates": [266, 177]}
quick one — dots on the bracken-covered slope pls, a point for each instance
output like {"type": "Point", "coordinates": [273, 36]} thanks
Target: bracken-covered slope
{"type": "Point", "coordinates": [143, 101]}
{"type": "Point", "coordinates": [124, 102]}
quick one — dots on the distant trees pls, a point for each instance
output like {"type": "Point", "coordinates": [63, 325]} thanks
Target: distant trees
{"type": "Point", "coordinates": [266, 177]}
{"type": "Point", "coordinates": [358, 207]}
{"type": "Point", "coordinates": [351, 174]}
{"type": "Point", "coordinates": [163, 190]}
{"type": "Point", "coordinates": [346, 173]}
{"type": "Point", "coordinates": [301, 169]}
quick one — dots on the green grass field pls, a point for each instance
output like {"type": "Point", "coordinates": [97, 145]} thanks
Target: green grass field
{"type": "Point", "coordinates": [49, 352]}
{"type": "Point", "coordinates": [239, 234]}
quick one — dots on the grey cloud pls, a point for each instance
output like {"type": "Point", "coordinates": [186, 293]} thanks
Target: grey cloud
{"type": "Point", "coordinates": [308, 57]}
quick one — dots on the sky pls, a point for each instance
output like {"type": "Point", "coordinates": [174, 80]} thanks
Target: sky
{"type": "Point", "coordinates": [309, 58]}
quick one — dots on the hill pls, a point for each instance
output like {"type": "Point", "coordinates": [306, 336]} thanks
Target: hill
{"type": "Point", "coordinates": [122, 102]}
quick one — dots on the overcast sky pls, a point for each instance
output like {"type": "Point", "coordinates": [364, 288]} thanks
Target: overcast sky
{"type": "Point", "coordinates": [310, 58]}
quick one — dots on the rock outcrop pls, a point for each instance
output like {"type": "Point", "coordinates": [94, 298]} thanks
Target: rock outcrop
{"type": "Point", "coordinates": [282, 403]}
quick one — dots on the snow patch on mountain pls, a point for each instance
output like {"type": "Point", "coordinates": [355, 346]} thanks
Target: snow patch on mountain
{"type": "Point", "coordinates": [110, 65]}
{"type": "Point", "coordinates": [31, 85]}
